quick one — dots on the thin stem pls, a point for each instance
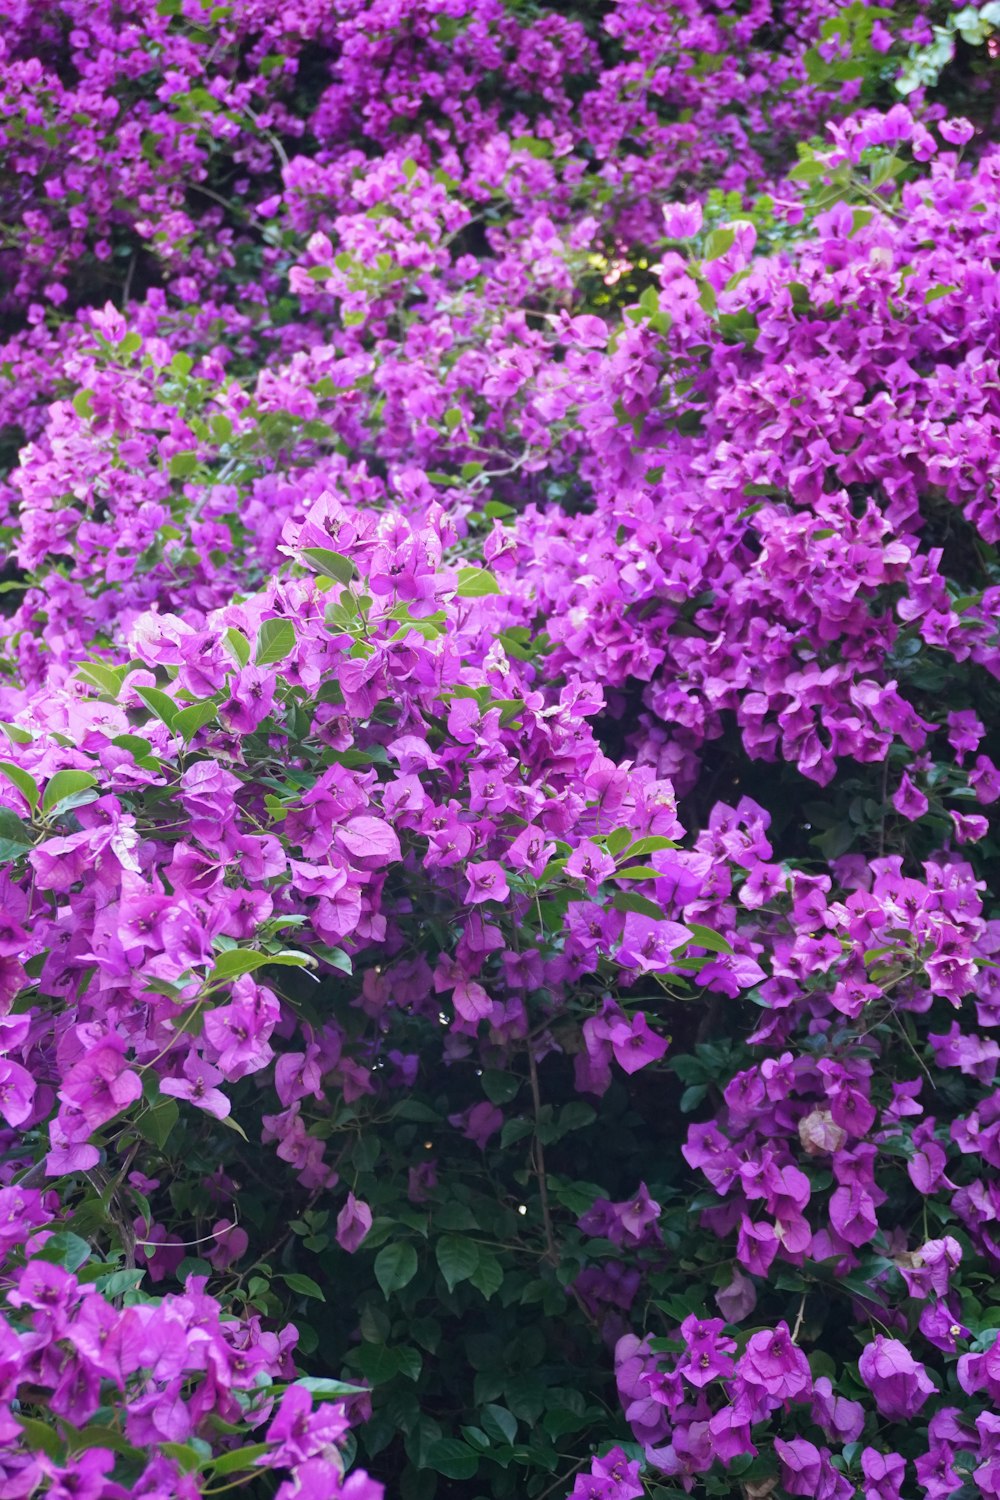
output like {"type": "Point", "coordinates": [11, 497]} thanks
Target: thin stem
{"type": "Point", "coordinates": [539, 1155]}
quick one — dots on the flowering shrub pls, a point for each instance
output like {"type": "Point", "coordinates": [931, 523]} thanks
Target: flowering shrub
{"type": "Point", "coordinates": [498, 729]}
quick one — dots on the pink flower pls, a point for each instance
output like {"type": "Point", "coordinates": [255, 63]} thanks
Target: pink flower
{"type": "Point", "coordinates": [353, 1223]}
{"type": "Point", "coordinates": [957, 132]}
{"type": "Point", "coordinates": [772, 1361]}
{"type": "Point", "coordinates": [681, 220]}
{"type": "Point", "coordinates": [908, 800]}
{"type": "Point", "coordinates": [898, 1383]}
{"type": "Point", "coordinates": [487, 882]}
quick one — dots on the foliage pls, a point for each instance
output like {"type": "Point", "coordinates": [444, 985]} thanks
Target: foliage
{"type": "Point", "coordinates": [498, 686]}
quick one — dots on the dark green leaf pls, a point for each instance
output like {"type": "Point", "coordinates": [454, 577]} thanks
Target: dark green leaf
{"type": "Point", "coordinates": [457, 1259]}
{"type": "Point", "coordinates": [304, 1285]}
{"type": "Point", "coordinates": [395, 1267]}
{"type": "Point", "coordinates": [454, 1459]}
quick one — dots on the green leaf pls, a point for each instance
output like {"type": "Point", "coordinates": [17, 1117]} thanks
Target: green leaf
{"type": "Point", "coordinates": [83, 403]}
{"type": "Point", "coordinates": [499, 1087]}
{"type": "Point", "coordinates": [64, 1249]}
{"type": "Point", "coordinates": [157, 1123]}
{"type": "Point", "coordinates": [934, 292]}
{"type": "Point", "coordinates": [632, 901]}
{"type": "Point", "coordinates": [187, 721]}
{"type": "Point", "coordinates": [185, 1456]}
{"type": "Point", "coordinates": [317, 1385]}
{"type": "Point", "coordinates": [238, 644]}
{"type": "Point", "coordinates": [275, 639]}
{"type": "Point", "coordinates": [718, 242]}
{"type": "Point", "coordinates": [499, 1423]}
{"type": "Point", "coordinates": [240, 1458]}
{"type": "Point", "coordinates": [476, 583]}
{"type": "Point", "coordinates": [98, 674]}
{"type": "Point", "coordinates": [236, 961]}
{"type": "Point", "coordinates": [25, 783]}
{"type": "Point", "coordinates": [15, 733]}
{"type": "Point", "coordinates": [453, 1459]}
{"type": "Point", "coordinates": [487, 1278]}
{"type": "Point", "coordinates": [707, 937]}
{"type": "Point", "coordinates": [304, 1285]}
{"type": "Point", "coordinates": [15, 835]}
{"type": "Point", "coordinates": [639, 872]}
{"type": "Point", "coordinates": [116, 1283]}
{"type": "Point", "coordinates": [378, 1363]}
{"type": "Point", "coordinates": [331, 564]}
{"type": "Point", "coordinates": [64, 784]}
{"type": "Point", "coordinates": [159, 704]}
{"type": "Point", "coordinates": [457, 1259]}
{"type": "Point", "coordinates": [395, 1267]}
{"type": "Point", "coordinates": [102, 1437]}
{"type": "Point", "coordinates": [40, 1437]}
{"type": "Point", "coordinates": [649, 845]}
{"type": "Point", "coordinates": [183, 465]}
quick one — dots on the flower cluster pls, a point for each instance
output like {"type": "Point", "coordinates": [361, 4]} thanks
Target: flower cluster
{"type": "Point", "coordinates": [499, 726]}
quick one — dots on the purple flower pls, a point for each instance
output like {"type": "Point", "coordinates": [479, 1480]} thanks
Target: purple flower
{"type": "Point", "coordinates": [908, 800]}
{"type": "Point", "coordinates": [634, 1044]}
{"type": "Point", "coordinates": [708, 1353]}
{"type": "Point", "coordinates": [353, 1223]}
{"type": "Point", "coordinates": [898, 1383]}
{"type": "Point", "coordinates": [957, 132]}
{"type": "Point", "coordinates": [613, 1477]}
{"type": "Point", "coordinates": [650, 946]}
{"type": "Point", "coordinates": [487, 882]}
{"type": "Point", "coordinates": [17, 1092]}
{"type": "Point", "coordinates": [772, 1361]}
{"type": "Point", "coordinates": [801, 1466]}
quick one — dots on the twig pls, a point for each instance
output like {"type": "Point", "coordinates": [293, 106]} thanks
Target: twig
{"type": "Point", "coordinates": [539, 1155]}
{"type": "Point", "coordinates": [798, 1319]}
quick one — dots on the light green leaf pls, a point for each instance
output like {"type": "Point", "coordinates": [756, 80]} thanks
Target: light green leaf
{"type": "Point", "coordinates": [158, 703]}
{"type": "Point", "coordinates": [97, 674]}
{"type": "Point", "coordinates": [275, 639]}
{"type": "Point", "coordinates": [476, 583]}
{"type": "Point", "coordinates": [25, 783]}
{"type": "Point", "coordinates": [237, 961]}
{"type": "Point", "coordinates": [238, 644]}
{"type": "Point", "coordinates": [707, 937]}
{"type": "Point", "coordinates": [15, 733]}
{"type": "Point", "coordinates": [317, 1385]}
{"type": "Point", "coordinates": [187, 721]}
{"type": "Point", "coordinates": [331, 564]}
{"type": "Point", "coordinates": [240, 1458]}
{"type": "Point", "coordinates": [183, 465]}
{"type": "Point", "coordinates": [65, 784]}
{"type": "Point", "coordinates": [718, 242]}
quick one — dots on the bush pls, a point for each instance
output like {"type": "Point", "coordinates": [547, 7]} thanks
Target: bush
{"type": "Point", "coordinates": [499, 676]}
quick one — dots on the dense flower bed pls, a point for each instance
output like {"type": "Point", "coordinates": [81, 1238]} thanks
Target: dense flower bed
{"type": "Point", "coordinates": [499, 718]}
